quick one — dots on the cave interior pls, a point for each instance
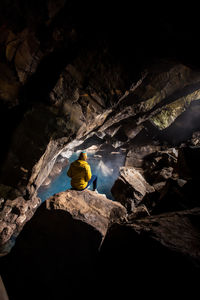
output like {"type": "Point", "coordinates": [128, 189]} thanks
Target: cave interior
{"type": "Point", "coordinates": [115, 79]}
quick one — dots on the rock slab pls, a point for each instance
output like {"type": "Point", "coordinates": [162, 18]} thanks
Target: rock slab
{"type": "Point", "coordinates": [89, 207]}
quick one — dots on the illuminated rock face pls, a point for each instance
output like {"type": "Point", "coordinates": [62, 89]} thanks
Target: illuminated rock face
{"type": "Point", "coordinates": [163, 95]}
{"type": "Point", "coordinates": [130, 187]}
{"type": "Point", "coordinates": [89, 207]}
{"type": "Point", "coordinates": [14, 215]}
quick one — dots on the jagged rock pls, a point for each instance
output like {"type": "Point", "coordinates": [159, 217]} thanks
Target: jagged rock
{"type": "Point", "coordinates": [136, 155]}
{"type": "Point", "coordinates": [138, 212]}
{"type": "Point", "coordinates": [195, 140]}
{"type": "Point", "coordinates": [173, 195]}
{"type": "Point", "coordinates": [171, 111]}
{"type": "Point", "coordinates": [159, 166]}
{"type": "Point", "coordinates": [89, 207]}
{"type": "Point", "coordinates": [148, 100]}
{"type": "Point", "coordinates": [167, 229]}
{"type": "Point", "coordinates": [13, 216]}
{"type": "Point", "coordinates": [90, 101]}
{"type": "Point", "coordinates": [46, 182]}
{"type": "Point", "coordinates": [162, 175]}
{"type": "Point", "coordinates": [130, 187]}
{"type": "Point", "coordinates": [9, 86]}
{"type": "Point", "coordinates": [56, 170]}
{"type": "Point", "coordinates": [27, 55]}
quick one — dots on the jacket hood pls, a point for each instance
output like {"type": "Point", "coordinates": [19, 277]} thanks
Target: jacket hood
{"type": "Point", "coordinates": [80, 163]}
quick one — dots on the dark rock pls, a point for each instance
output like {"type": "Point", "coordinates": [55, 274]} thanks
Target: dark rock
{"type": "Point", "coordinates": [13, 216]}
{"type": "Point", "coordinates": [9, 85]}
{"type": "Point", "coordinates": [189, 161]}
{"type": "Point", "coordinates": [59, 247]}
{"type": "Point", "coordinates": [130, 187]}
{"type": "Point", "coordinates": [174, 197]}
{"type": "Point", "coordinates": [138, 212]}
{"type": "Point", "coordinates": [158, 251]}
{"type": "Point", "coordinates": [3, 292]}
{"type": "Point", "coordinates": [137, 154]}
{"type": "Point", "coordinates": [195, 140]}
{"type": "Point", "coordinates": [55, 251]}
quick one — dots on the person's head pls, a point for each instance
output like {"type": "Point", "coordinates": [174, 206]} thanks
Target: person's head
{"type": "Point", "coordinates": [83, 156]}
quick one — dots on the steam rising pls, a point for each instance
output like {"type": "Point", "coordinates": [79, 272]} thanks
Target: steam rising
{"type": "Point", "coordinates": [103, 169]}
{"type": "Point", "coordinates": [104, 164]}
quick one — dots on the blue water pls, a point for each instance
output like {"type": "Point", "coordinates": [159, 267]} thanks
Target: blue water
{"type": "Point", "coordinates": [107, 172]}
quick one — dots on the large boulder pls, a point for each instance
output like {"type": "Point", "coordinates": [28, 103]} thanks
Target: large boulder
{"type": "Point", "coordinates": [160, 253]}
{"type": "Point", "coordinates": [130, 188]}
{"type": "Point", "coordinates": [58, 248]}
{"type": "Point", "coordinates": [89, 207]}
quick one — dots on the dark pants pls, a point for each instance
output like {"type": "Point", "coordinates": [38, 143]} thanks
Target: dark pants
{"type": "Point", "coordinates": [92, 180]}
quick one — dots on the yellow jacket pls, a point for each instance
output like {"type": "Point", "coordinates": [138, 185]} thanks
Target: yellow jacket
{"type": "Point", "coordinates": [80, 174]}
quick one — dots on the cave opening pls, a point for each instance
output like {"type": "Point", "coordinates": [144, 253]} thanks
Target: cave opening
{"type": "Point", "coordinates": [107, 156]}
{"type": "Point", "coordinates": [104, 160]}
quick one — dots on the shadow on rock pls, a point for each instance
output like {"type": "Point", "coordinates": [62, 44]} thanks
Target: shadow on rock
{"type": "Point", "coordinates": [54, 257]}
